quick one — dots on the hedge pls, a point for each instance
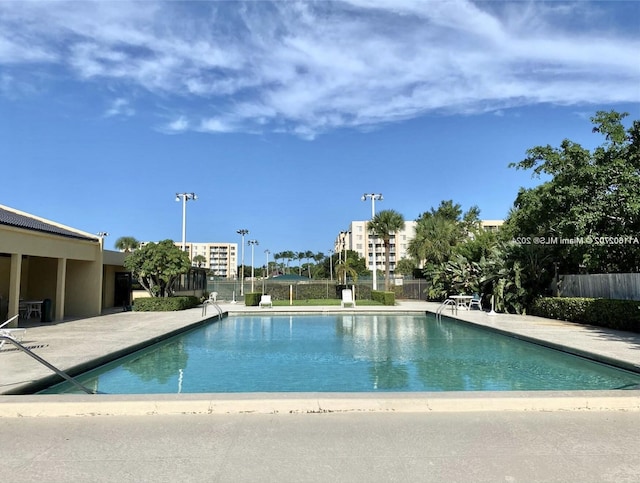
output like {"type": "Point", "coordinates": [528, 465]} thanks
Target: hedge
{"type": "Point", "coordinates": [313, 291]}
{"type": "Point", "coordinates": [386, 298]}
{"type": "Point", "coordinates": [165, 304]}
{"type": "Point", "coordinates": [252, 299]}
{"type": "Point", "coordinates": [614, 314]}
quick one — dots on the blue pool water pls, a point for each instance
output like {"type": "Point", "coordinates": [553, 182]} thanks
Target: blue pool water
{"type": "Point", "coordinates": [346, 353]}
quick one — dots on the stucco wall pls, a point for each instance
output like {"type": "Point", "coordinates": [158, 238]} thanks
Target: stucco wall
{"type": "Point", "coordinates": [83, 288]}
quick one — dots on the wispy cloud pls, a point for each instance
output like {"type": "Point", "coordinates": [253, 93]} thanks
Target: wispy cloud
{"type": "Point", "coordinates": [306, 68]}
{"type": "Point", "coordinates": [120, 107]}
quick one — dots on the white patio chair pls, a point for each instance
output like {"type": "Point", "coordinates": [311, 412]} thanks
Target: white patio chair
{"type": "Point", "coordinates": [476, 301]}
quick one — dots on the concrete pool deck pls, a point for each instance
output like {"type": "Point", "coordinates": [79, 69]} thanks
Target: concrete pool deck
{"type": "Point", "coordinates": [76, 345]}
{"type": "Point", "coordinates": [433, 437]}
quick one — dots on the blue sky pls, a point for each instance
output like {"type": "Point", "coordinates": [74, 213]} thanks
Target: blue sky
{"type": "Point", "coordinates": [279, 116]}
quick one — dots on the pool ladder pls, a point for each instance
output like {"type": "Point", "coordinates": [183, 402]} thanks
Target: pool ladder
{"type": "Point", "coordinates": [208, 302]}
{"type": "Point", "coordinates": [443, 305]}
{"type": "Point", "coordinates": [59, 372]}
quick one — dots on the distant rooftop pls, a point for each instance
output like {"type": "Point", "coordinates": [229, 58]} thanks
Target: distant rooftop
{"type": "Point", "coordinates": [17, 219]}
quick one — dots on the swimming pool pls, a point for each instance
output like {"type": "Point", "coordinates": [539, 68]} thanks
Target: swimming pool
{"type": "Point", "coordinates": [346, 353]}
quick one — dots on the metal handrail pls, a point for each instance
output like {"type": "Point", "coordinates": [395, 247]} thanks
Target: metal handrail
{"type": "Point", "coordinates": [443, 306]}
{"type": "Point", "coordinates": [211, 302]}
{"type": "Point", "coordinates": [59, 372]}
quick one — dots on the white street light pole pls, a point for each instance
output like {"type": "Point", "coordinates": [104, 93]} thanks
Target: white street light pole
{"type": "Point", "coordinates": [185, 197]}
{"type": "Point", "coordinates": [374, 197]}
{"type": "Point", "coordinates": [253, 243]}
{"type": "Point", "coordinates": [343, 247]}
{"type": "Point", "coordinates": [242, 232]}
{"type": "Point", "coordinates": [266, 273]}
{"type": "Point", "coordinates": [331, 264]}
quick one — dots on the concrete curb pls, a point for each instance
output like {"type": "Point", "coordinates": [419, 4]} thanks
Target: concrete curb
{"type": "Point", "coordinates": [296, 403]}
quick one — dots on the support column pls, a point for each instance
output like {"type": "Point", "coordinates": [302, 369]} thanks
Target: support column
{"type": "Point", "coordinates": [61, 281]}
{"type": "Point", "coordinates": [14, 287]}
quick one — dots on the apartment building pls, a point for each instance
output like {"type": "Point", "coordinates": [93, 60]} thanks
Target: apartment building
{"type": "Point", "coordinates": [220, 258]}
{"type": "Point", "coordinates": [491, 225]}
{"type": "Point", "coordinates": [357, 239]}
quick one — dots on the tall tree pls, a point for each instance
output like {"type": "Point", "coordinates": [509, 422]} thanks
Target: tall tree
{"type": "Point", "coordinates": [288, 255]}
{"type": "Point", "coordinates": [308, 255]}
{"type": "Point", "coordinates": [199, 260]}
{"type": "Point", "coordinates": [589, 209]}
{"type": "Point", "coordinates": [157, 266]}
{"type": "Point", "coordinates": [440, 230]}
{"type": "Point", "coordinates": [127, 244]}
{"type": "Point", "coordinates": [385, 224]}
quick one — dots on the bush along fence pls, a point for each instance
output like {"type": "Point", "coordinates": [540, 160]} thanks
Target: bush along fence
{"type": "Point", "coordinates": [614, 314]}
{"type": "Point", "coordinates": [165, 304]}
{"type": "Point", "coordinates": [385, 298]}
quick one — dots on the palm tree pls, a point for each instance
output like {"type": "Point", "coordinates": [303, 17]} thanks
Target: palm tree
{"type": "Point", "coordinates": [288, 255]}
{"type": "Point", "coordinates": [383, 225]}
{"type": "Point", "coordinates": [300, 256]}
{"type": "Point", "coordinates": [127, 244]}
{"type": "Point", "coordinates": [199, 260]}
{"type": "Point", "coordinates": [434, 240]}
{"type": "Point", "coordinates": [308, 255]}
{"type": "Point", "coordinates": [344, 268]}
{"type": "Point", "coordinates": [318, 257]}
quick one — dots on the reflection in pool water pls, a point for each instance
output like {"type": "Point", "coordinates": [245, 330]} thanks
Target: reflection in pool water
{"type": "Point", "coordinates": [347, 353]}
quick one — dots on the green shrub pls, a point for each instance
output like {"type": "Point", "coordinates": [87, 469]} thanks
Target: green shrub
{"type": "Point", "coordinates": [165, 304]}
{"type": "Point", "coordinates": [385, 298]}
{"type": "Point", "coordinates": [252, 299]}
{"type": "Point", "coordinates": [614, 314]}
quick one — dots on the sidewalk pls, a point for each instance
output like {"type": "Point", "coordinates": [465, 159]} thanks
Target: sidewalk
{"type": "Point", "coordinates": [566, 447]}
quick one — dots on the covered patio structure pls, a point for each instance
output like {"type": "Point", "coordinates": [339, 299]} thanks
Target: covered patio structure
{"type": "Point", "coordinates": [41, 260]}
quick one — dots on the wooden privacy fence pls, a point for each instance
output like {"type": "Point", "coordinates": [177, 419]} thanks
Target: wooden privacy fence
{"type": "Point", "coordinates": [621, 286]}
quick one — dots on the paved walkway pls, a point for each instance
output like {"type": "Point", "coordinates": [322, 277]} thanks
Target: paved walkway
{"type": "Point", "coordinates": [563, 447]}
{"type": "Point", "coordinates": [453, 437]}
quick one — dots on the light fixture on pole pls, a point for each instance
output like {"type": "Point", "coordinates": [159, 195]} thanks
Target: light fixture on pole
{"type": "Point", "coordinates": [253, 243]}
{"type": "Point", "coordinates": [185, 197]}
{"type": "Point", "coordinates": [242, 232]}
{"type": "Point", "coordinates": [374, 197]}
{"type": "Point", "coordinates": [266, 272]}
{"type": "Point", "coordinates": [102, 234]}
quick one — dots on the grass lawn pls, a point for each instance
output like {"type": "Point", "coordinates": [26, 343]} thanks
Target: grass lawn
{"type": "Point", "coordinates": [313, 302]}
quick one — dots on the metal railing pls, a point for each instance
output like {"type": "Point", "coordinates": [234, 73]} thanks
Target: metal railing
{"type": "Point", "coordinates": [64, 375]}
{"type": "Point", "coordinates": [208, 302]}
{"type": "Point", "coordinates": [443, 305]}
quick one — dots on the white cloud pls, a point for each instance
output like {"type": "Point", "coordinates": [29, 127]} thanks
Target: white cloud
{"type": "Point", "coordinates": [306, 68]}
{"type": "Point", "coordinates": [120, 107]}
{"type": "Point", "coordinates": [179, 125]}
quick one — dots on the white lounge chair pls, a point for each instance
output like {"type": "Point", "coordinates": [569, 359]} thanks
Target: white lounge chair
{"type": "Point", "coordinates": [213, 296]}
{"type": "Point", "coordinates": [347, 298]}
{"type": "Point", "coordinates": [265, 300]}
